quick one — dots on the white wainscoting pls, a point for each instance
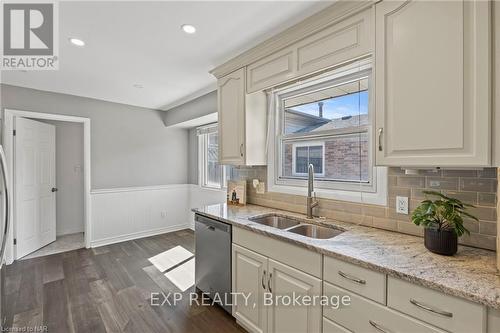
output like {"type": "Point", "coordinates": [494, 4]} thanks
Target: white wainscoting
{"type": "Point", "coordinates": [128, 213]}
{"type": "Point", "coordinates": [122, 214]}
{"type": "Point", "coordinates": [201, 196]}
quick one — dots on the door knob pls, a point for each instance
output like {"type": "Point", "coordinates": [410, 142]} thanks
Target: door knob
{"type": "Point", "coordinates": [54, 189]}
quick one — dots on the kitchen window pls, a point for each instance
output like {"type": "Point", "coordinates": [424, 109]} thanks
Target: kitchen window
{"type": "Point", "coordinates": [307, 153]}
{"type": "Point", "coordinates": [326, 122]}
{"type": "Point", "coordinates": [211, 173]}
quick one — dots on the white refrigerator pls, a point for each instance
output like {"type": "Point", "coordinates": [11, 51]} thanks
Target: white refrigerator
{"type": "Point", "coordinates": [4, 228]}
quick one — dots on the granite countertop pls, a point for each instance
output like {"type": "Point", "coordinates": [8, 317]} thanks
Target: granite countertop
{"type": "Point", "coordinates": [470, 274]}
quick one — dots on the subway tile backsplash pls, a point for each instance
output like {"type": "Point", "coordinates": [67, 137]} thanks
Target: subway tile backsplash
{"type": "Point", "coordinates": [477, 187]}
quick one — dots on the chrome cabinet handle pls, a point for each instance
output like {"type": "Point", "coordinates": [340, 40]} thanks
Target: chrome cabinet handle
{"type": "Point", "coordinates": [241, 150]}
{"type": "Point", "coordinates": [263, 280]}
{"type": "Point", "coordinates": [380, 130]}
{"type": "Point", "coordinates": [351, 278]}
{"type": "Point", "coordinates": [269, 282]}
{"type": "Point", "coordinates": [429, 309]}
{"type": "Point", "coordinates": [378, 327]}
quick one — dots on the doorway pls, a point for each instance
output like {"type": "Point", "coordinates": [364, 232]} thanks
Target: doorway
{"type": "Point", "coordinates": [45, 219]}
{"type": "Point", "coordinates": [35, 185]}
{"type": "Point", "coordinates": [62, 144]}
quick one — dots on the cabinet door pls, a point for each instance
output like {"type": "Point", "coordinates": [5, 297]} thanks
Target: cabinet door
{"type": "Point", "coordinates": [249, 277]}
{"type": "Point", "coordinates": [432, 83]}
{"type": "Point", "coordinates": [271, 70]}
{"type": "Point", "coordinates": [493, 321]}
{"type": "Point", "coordinates": [286, 318]}
{"type": "Point", "coordinates": [231, 108]}
{"type": "Point", "coordinates": [344, 41]}
{"type": "Point", "coordinates": [331, 327]}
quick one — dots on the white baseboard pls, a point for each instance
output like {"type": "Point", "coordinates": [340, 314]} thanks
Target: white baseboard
{"type": "Point", "coordinates": [136, 235]}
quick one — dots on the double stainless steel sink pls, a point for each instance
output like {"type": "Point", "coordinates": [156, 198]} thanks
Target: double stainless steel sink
{"type": "Point", "coordinates": [297, 226]}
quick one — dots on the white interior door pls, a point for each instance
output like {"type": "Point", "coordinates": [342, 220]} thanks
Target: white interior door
{"type": "Point", "coordinates": [35, 174]}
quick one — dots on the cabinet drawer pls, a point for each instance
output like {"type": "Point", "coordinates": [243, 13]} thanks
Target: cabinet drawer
{"type": "Point", "coordinates": [331, 327]}
{"type": "Point", "coordinates": [366, 316]}
{"type": "Point", "coordinates": [360, 280]}
{"type": "Point", "coordinates": [447, 312]}
{"type": "Point", "coordinates": [292, 255]}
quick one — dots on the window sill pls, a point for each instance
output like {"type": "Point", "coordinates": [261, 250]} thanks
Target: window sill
{"type": "Point", "coordinates": [375, 198]}
{"type": "Point", "coordinates": [213, 188]}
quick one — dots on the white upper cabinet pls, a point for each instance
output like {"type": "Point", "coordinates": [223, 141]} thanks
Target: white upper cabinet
{"type": "Point", "coordinates": [343, 41]}
{"type": "Point", "coordinates": [231, 106]}
{"type": "Point", "coordinates": [272, 70]}
{"type": "Point", "coordinates": [242, 122]}
{"type": "Point", "coordinates": [432, 86]}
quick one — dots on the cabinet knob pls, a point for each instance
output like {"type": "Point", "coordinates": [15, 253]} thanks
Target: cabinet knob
{"type": "Point", "coordinates": [54, 189]}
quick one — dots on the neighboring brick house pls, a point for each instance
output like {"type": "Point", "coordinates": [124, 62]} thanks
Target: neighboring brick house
{"type": "Point", "coordinates": [346, 157]}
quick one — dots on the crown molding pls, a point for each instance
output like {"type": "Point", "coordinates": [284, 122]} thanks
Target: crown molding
{"type": "Point", "coordinates": [338, 11]}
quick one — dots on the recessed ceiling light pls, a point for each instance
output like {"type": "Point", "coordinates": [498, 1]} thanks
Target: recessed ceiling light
{"type": "Point", "coordinates": [138, 86]}
{"type": "Point", "coordinates": [188, 28]}
{"type": "Point", "coordinates": [77, 42]}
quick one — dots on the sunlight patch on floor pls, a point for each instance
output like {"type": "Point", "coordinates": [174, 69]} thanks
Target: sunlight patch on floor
{"type": "Point", "coordinates": [183, 275]}
{"type": "Point", "coordinates": [170, 258]}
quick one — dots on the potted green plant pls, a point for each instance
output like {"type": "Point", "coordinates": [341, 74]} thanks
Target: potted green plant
{"type": "Point", "coordinates": [443, 220]}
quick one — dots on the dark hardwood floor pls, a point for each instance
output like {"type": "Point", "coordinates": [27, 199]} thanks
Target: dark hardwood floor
{"type": "Point", "coordinates": [106, 289]}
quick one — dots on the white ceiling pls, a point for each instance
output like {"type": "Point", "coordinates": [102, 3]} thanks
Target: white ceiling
{"type": "Point", "coordinates": [141, 42]}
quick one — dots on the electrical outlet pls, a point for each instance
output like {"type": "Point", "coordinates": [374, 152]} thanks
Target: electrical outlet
{"type": "Point", "coordinates": [163, 215]}
{"type": "Point", "coordinates": [261, 188]}
{"type": "Point", "coordinates": [402, 205]}
{"type": "Point", "coordinates": [434, 183]}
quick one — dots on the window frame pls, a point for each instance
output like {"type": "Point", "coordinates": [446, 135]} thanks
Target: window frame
{"type": "Point", "coordinates": [307, 144]}
{"type": "Point", "coordinates": [203, 133]}
{"type": "Point", "coordinates": [374, 191]}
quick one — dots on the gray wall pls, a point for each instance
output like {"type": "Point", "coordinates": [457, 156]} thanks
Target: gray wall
{"type": "Point", "coordinates": [69, 177]}
{"type": "Point", "coordinates": [130, 146]}
{"type": "Point", "coordinates": [193, 157]}
{"type": "Point", "coordinates": [195, 108]}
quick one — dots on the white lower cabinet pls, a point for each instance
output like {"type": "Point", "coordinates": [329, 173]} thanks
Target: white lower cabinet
{"type": "Point", "coordinates": [444, 311]}
{"type": "Point", "coordinates": [493, 321]}
{"type": "Point", "coordinates": [265, 269]}
{"type": "Point", "coordinates": [264, 278]}
{"type": "Point", "coordinates": [285, 283]}
{"type": "Point", "coordinates": [249, 277]}
{"type": "Point", "coordinates": [331, 327]}
{"type": "Point", "coordinates": [365, 316]}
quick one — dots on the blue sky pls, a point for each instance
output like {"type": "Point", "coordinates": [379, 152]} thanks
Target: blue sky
{"type": "Point", "coordinates": [334, 108]}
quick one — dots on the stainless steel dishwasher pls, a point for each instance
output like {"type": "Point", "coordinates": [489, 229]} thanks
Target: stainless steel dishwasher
{"type": "Point", "coordinates": [213, 258]}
